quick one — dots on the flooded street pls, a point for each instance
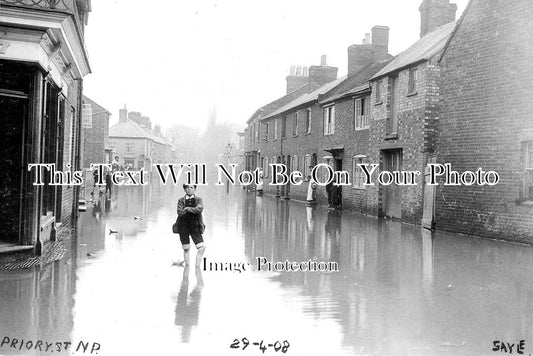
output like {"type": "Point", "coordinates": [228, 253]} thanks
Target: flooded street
{"type": "Point", "coordinates": [400, 290]}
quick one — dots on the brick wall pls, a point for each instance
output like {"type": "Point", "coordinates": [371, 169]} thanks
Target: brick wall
{"type": "Point", "coordinates": [486, 116]}
{"type": "Point", "coordinates": [94, 139]}
{"type": "Point", "coordinates": [416, 117]}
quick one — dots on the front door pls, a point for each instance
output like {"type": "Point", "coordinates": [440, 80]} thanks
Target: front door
{"type": "Point", "coordinates": [12, 119]}
{"type": "Point", "coordinates": [392, 195]}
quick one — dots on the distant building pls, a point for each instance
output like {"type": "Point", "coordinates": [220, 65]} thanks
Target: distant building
{"type": "Point", "coordinates": [138, 146]}
{"type": "Point", "coordinates": [95, 133]}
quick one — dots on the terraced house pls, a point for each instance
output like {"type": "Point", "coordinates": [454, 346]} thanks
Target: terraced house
{"type": "Point", "coordinates": [42, 64]}
{"type": "Point", "coordinates": [448, 98]}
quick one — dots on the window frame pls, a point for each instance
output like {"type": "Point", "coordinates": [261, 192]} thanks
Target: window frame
{"type": "Point", "coordinates": [329, 120]}
{"type": "Point", "coordinates": [364, 120]}
{"type": "Point", "coordinates": [379, 92]}
{"type": "Point", "coordinates": [295, 124]}
{"type": "Point", "coordinates": [528, 170]}
{"type": "Point", "coordinates": [308, 121]}
{"type": "Point", "coordinates": [412, 81]}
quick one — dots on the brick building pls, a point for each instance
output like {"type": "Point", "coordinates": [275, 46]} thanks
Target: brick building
{"type": "Point", "coordinates": [347, 146]}
{"type": "Point", "coordinates": [289, 134]}
{"type": "Point", "coordinates": [461, 95]}
{"type": "Point", "coordinates": [486, 120]}
{"type": "Point", "coordinates": [42, 64]}
{"type": "Point", "coordinates": [95, 133]}
{"type": "Point", "coordinates": [136, 145]}
{"type": "Point", "coordinates": [403, 108]}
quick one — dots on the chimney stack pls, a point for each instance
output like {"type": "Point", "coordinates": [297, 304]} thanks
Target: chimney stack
{"type": "Point", "coordinates": [298, 77]}
{"type": "Point", "coordinates": [367, 53]}
{"type": "Point", "coordinates": [435, 13]}
{"type": "Point", "coordinates": [123, 114]}
{"type": "Point", "coordinates": [322, 74]}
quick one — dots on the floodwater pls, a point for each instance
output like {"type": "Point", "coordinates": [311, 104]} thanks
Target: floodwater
{"type": "Point", "coordinates": [399, 290]}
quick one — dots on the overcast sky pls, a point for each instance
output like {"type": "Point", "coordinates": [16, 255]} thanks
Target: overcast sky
{"type": "Point", "coordinates": [173, 60]}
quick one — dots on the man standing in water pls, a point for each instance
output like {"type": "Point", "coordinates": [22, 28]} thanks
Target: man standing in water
{"type": "Point", "coordinates": [190, 224]}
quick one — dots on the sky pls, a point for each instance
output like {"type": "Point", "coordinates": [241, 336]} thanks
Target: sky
{"type": "Point", "coordinates": [174, 60]}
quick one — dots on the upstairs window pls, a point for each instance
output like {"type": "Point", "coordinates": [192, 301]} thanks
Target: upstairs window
{"type": "Point", "coordinates": [329, 120]}
{"type": "Point", "coordinates": [295, 124]}
{"type": "Point", "coordinates": [284, 127]}
{"type": "Point", "coordinates": [378, 89]}
{"type": "Point", "coordinates": [529, 171]}
{"type": "Point", "coordinates": [130, 147]}
{"type": "Point", "coordinates": [413, 73]}
{"type": "Point", "coordinates": [308, 121]}
{"type": "Point", "coordinates": [275, 129]}
{"type": "Point", "coordinates": [362, 112]}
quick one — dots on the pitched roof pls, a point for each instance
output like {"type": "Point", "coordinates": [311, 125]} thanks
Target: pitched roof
{"type": "Point", "coordinates": [131, 129]}
{"type": "Point", "coordinates": [306, 98]}
{"type": "Point", "coordinates": [353, 84]}
{"type": "Point", "coordinates": [97, 109]}
{"type": "Point", "coordinates": [423, 49]}
{"type": "Point", "coordinates": [265, 110]}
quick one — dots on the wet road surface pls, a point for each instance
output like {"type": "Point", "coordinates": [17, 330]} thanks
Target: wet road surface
{"type": "Point", "coordinates": [399, 290]}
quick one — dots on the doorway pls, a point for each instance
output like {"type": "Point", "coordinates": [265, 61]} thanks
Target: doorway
{"type": "Point", "coordinates": [392, 194]}
{"type": "Point", "coordinates": [13, 108]}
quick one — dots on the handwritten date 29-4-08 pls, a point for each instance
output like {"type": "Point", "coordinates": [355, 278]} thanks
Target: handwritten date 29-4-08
{"type": "Point", "coordinates": [277, 346]}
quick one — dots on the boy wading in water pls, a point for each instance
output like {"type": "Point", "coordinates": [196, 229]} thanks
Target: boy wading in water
{"type": "Point", "coordinates": [190, 224]}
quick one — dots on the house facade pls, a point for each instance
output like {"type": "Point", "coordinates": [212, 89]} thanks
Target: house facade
{"type": "Point", "coordinates": [95, 133]}
{"type": "Point", "coordinates": [459, 95]}
{"type": "Point", "coordinates": [43, 61]}
{"type": "Point", "coordinates": [486, 121]}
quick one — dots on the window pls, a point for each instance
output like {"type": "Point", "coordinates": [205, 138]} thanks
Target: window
{"type": "Point", "coordinates": [358, 175]}
{"type": "Point", "coordinates": [284, 127]}
{"type": "Point", "coordinates": [275, 129]}
{"type": "Point", "coordinates": [266, 131]}
{"type": "Point", "coordinates": [308, 121]}
{"type": "Point", "coordinates": [412, 81]}
{"type": "Point", "coordinates": [295, 163]}
{"type": "Point", "coordinates": [378, 85]}
{"type": "Point", "coordinates": [86, 116]}
{"type": "Point", "coordinates": [130, 147]}
{"type": "Point", "coordinates": [329, 120]}
{"type": "Point", "coordinates": [362, 112]}
{"type": "Point", "coordinates": [392, 127]}
{"type": "Point", "coordinates": [295, 124]}
{"type": "Point", "coordinates": [265, 167]}
{"type": "Point", "coordinates": [307, 166]}
{"type": "Point", "coordinates": [529, 171]}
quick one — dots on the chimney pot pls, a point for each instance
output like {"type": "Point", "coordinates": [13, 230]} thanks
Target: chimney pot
{"type": "Point", "coordinates": [323, 60]}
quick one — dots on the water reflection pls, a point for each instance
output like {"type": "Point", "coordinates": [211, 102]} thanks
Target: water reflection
{"type": "Point", "coordinates": [188, 305]}
{"type": "Point", "coordinates": [400, 289]}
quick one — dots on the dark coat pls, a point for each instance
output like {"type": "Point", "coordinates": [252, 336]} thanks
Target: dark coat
{"type": "Point", "coordinates": [190, 220]}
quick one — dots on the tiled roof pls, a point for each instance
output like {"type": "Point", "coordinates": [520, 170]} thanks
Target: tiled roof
{"type": "Point", "coordinates": [270, 107]}
{"type": "Point", "coordinates": [307, 98]}
{"type": "Point", "coordinates": [353, 84]}
{"type": "Point", "coordinates": [424, 49]}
